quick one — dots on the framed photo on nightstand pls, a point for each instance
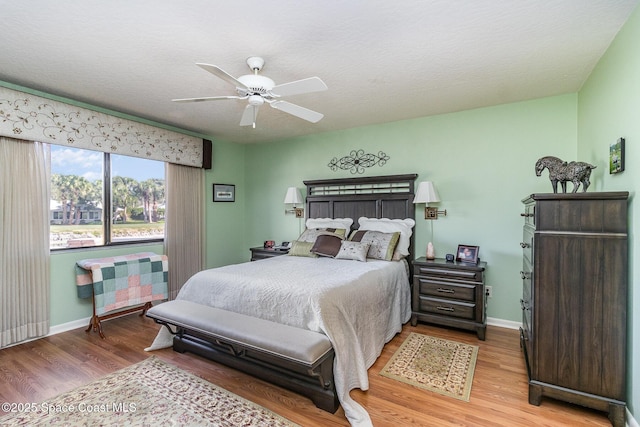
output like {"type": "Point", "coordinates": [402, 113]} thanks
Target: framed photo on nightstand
{"type": "Point", "coordinates": [468, 254]}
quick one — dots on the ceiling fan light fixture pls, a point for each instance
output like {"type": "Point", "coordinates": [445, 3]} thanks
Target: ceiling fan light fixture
{"type": "Point", "coordinates": [256, 100]}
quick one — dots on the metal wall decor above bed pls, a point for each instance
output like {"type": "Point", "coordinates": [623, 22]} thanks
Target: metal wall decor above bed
{"type": "Point", "coordinates": [357, 160]}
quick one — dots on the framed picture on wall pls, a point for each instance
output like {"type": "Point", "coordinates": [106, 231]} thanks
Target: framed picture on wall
{"type": "Point", "coordinates": [616, 156]}
{"type": "Point", "coordinates": [224, 193]}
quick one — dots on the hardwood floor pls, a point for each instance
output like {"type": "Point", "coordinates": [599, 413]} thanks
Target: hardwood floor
{"type": "Point", "coordinates": [41, 369]}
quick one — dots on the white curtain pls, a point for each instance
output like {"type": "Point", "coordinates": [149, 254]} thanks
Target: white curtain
{"type": "Point", "coordinates": [24, 240]}
{"type": "Point", "coordinates": [184, 224]}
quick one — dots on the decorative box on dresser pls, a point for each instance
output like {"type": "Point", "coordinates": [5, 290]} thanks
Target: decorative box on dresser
{"type": "Point", "coordinates": [574, 300]}
{"type": "Point", "coordinates": [449, 294]}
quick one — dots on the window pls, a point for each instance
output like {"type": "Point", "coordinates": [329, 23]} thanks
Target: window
{"type": "Point", "coordinates": [104, 199]}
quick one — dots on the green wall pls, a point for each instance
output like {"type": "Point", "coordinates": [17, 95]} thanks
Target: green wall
{"type": "Point", "coordinates": [481, 161]}
{"type": "Point", "coordinates": [225, 220]}
{"type": "Point", "coordinates": [609, 106]}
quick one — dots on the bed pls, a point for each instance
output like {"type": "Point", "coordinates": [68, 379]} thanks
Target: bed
{"type": "Point", "coordinates": [359, 306]}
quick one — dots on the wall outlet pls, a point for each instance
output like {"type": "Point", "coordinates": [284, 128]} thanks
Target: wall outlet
{"type": "Point", "coordinates": [488, 290]}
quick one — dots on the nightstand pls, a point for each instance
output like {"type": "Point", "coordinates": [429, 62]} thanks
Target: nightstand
{"type": "Point", "coordinates": [262, 253]}
{"type": "Point", "coordinates": [449, 294]}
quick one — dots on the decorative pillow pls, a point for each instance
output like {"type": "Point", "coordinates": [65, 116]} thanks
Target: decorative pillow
{"type": "Point", "coordinates": [381, 244]}
{"type": "Point", "coordinates": [311, 234]}
{"type": "Point", "coordinates": [327, 245]}
{"type": "Point", "coordinates": [299, 248]}
{"type": "Point", "coordinates": [386, 225]}
{"type": "Point", "coordinates": [353, 250]}
{"type": "Point", "coordinates": [329, 223]}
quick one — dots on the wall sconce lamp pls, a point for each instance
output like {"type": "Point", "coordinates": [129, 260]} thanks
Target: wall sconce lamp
{"type": "Point", "coordinates": [426, 194]}
{"type": "Point", "coordinates": [293, 198]}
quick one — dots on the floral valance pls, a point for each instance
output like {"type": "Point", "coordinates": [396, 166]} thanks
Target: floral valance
{"type": "Point", "coordinates": [31, 117]}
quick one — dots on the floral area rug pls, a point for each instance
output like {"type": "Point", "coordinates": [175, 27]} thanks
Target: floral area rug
{"type": "Point", "coordinates": [434, 364]}
{"type": "Point", "coordinates": [149, 393]}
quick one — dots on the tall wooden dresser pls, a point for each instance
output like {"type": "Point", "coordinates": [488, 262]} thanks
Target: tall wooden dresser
{"type": "Point", "coordinates": [574, 304]}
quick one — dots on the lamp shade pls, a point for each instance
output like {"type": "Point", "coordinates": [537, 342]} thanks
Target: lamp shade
{"type": "Point", "coordinates": [293, 196]}
{"type": "Point", "coordinates": [426, 193]}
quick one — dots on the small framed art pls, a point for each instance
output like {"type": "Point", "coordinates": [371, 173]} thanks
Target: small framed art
{"type": "Point", "coordinates": [467, 253]}
{"type": "Point", "coordinates": [616, 156]}
{"type": "Point", "coordinates": [224, 193]}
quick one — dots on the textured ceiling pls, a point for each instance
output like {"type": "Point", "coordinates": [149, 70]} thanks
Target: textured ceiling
{"type": "Point", "coordinates": [382, 60]}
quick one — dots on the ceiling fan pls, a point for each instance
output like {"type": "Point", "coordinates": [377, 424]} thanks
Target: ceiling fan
{"type": "Point", "coordinates": [257, 90]}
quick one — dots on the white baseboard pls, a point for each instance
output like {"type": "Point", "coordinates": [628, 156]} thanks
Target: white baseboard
{"type": "Point", "coordinates": [75, 324]}
{"type": "Point", "coordinates": [58, 329]}
{"type": "Point", "coordinates": [631, 422]}
{"type": "Point", "coordinates": [509, 324]}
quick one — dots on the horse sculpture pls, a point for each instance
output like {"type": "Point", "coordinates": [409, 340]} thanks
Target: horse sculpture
{"type": "Point", "coordinates": [561, 171]}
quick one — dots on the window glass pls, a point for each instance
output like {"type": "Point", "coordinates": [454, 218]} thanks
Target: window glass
{"type": "Point", "coordinates": [77, 209]}
{"type": "Point", "coordinates": [137, 198]}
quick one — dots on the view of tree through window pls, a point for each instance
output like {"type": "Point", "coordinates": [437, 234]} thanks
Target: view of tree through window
{"type": "Point", "coordinates": [137, 198]}
{"type": "Point", "coordinates": [79, 198]}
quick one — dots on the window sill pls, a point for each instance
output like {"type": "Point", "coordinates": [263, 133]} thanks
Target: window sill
{"type": "Point", "coordinates": [113, 245]}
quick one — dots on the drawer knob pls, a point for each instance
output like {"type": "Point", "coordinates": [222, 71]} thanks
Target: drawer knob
{"type": "Point", "coordinates": [446, 291]}
{"type": "Point", "coordinates": [524, 245]}
{"type": "Point", "coordinates": [523, 337]}
{"type": "Point", "coordinates": [441, 308]}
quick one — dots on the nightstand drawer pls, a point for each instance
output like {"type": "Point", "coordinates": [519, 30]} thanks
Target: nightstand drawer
{"type": "Point", "coordinates": [444, 289]}
{"type": "Point", "coordinates": [448, 308]}
{"type": "Point", "coordinates": [474, 275]}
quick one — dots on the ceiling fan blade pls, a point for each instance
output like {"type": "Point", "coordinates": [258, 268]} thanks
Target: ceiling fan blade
{"type": "Point", "coordinates": [219, 72]}
{"type": "Point", "coordinates": [249, 116]}
{"type": "Point", "coordinates": [298, 111]}
{"type": "Point", "coordinates": [312, 84]}
{"type": "Point", "coordinates": [208, 98]}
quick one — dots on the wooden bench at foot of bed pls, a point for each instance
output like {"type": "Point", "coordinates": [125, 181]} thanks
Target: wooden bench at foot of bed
{"type": "Point", "coordinates": [294, 358]}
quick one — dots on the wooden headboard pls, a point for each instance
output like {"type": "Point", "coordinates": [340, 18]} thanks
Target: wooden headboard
{"type": "Point", "coordinates": [388, 196]}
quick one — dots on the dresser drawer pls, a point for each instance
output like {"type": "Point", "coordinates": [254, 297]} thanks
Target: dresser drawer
{"type": "Point", "coordinates": [474, 275]}
{"type": "Point", "coordinates": [444, 289]}
{"type": "Point", "coordinates": [449, 308]}
{"type": "Point", "coordinates": [529, 214]}
{"type": "Point", "coordinates": [527, 243]}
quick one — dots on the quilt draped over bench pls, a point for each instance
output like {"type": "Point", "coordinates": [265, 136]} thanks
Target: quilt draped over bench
{"type": "Point", "coordinates": [122, 281]}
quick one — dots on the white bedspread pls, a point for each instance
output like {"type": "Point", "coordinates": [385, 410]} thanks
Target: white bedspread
{"type": "Point", "coordinates": [359, 306]}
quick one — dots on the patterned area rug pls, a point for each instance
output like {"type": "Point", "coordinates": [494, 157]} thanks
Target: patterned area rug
{"type": "Point", "coordinates": [435, 364]}
{"type": "Point", "coordinates": [149, 393]}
